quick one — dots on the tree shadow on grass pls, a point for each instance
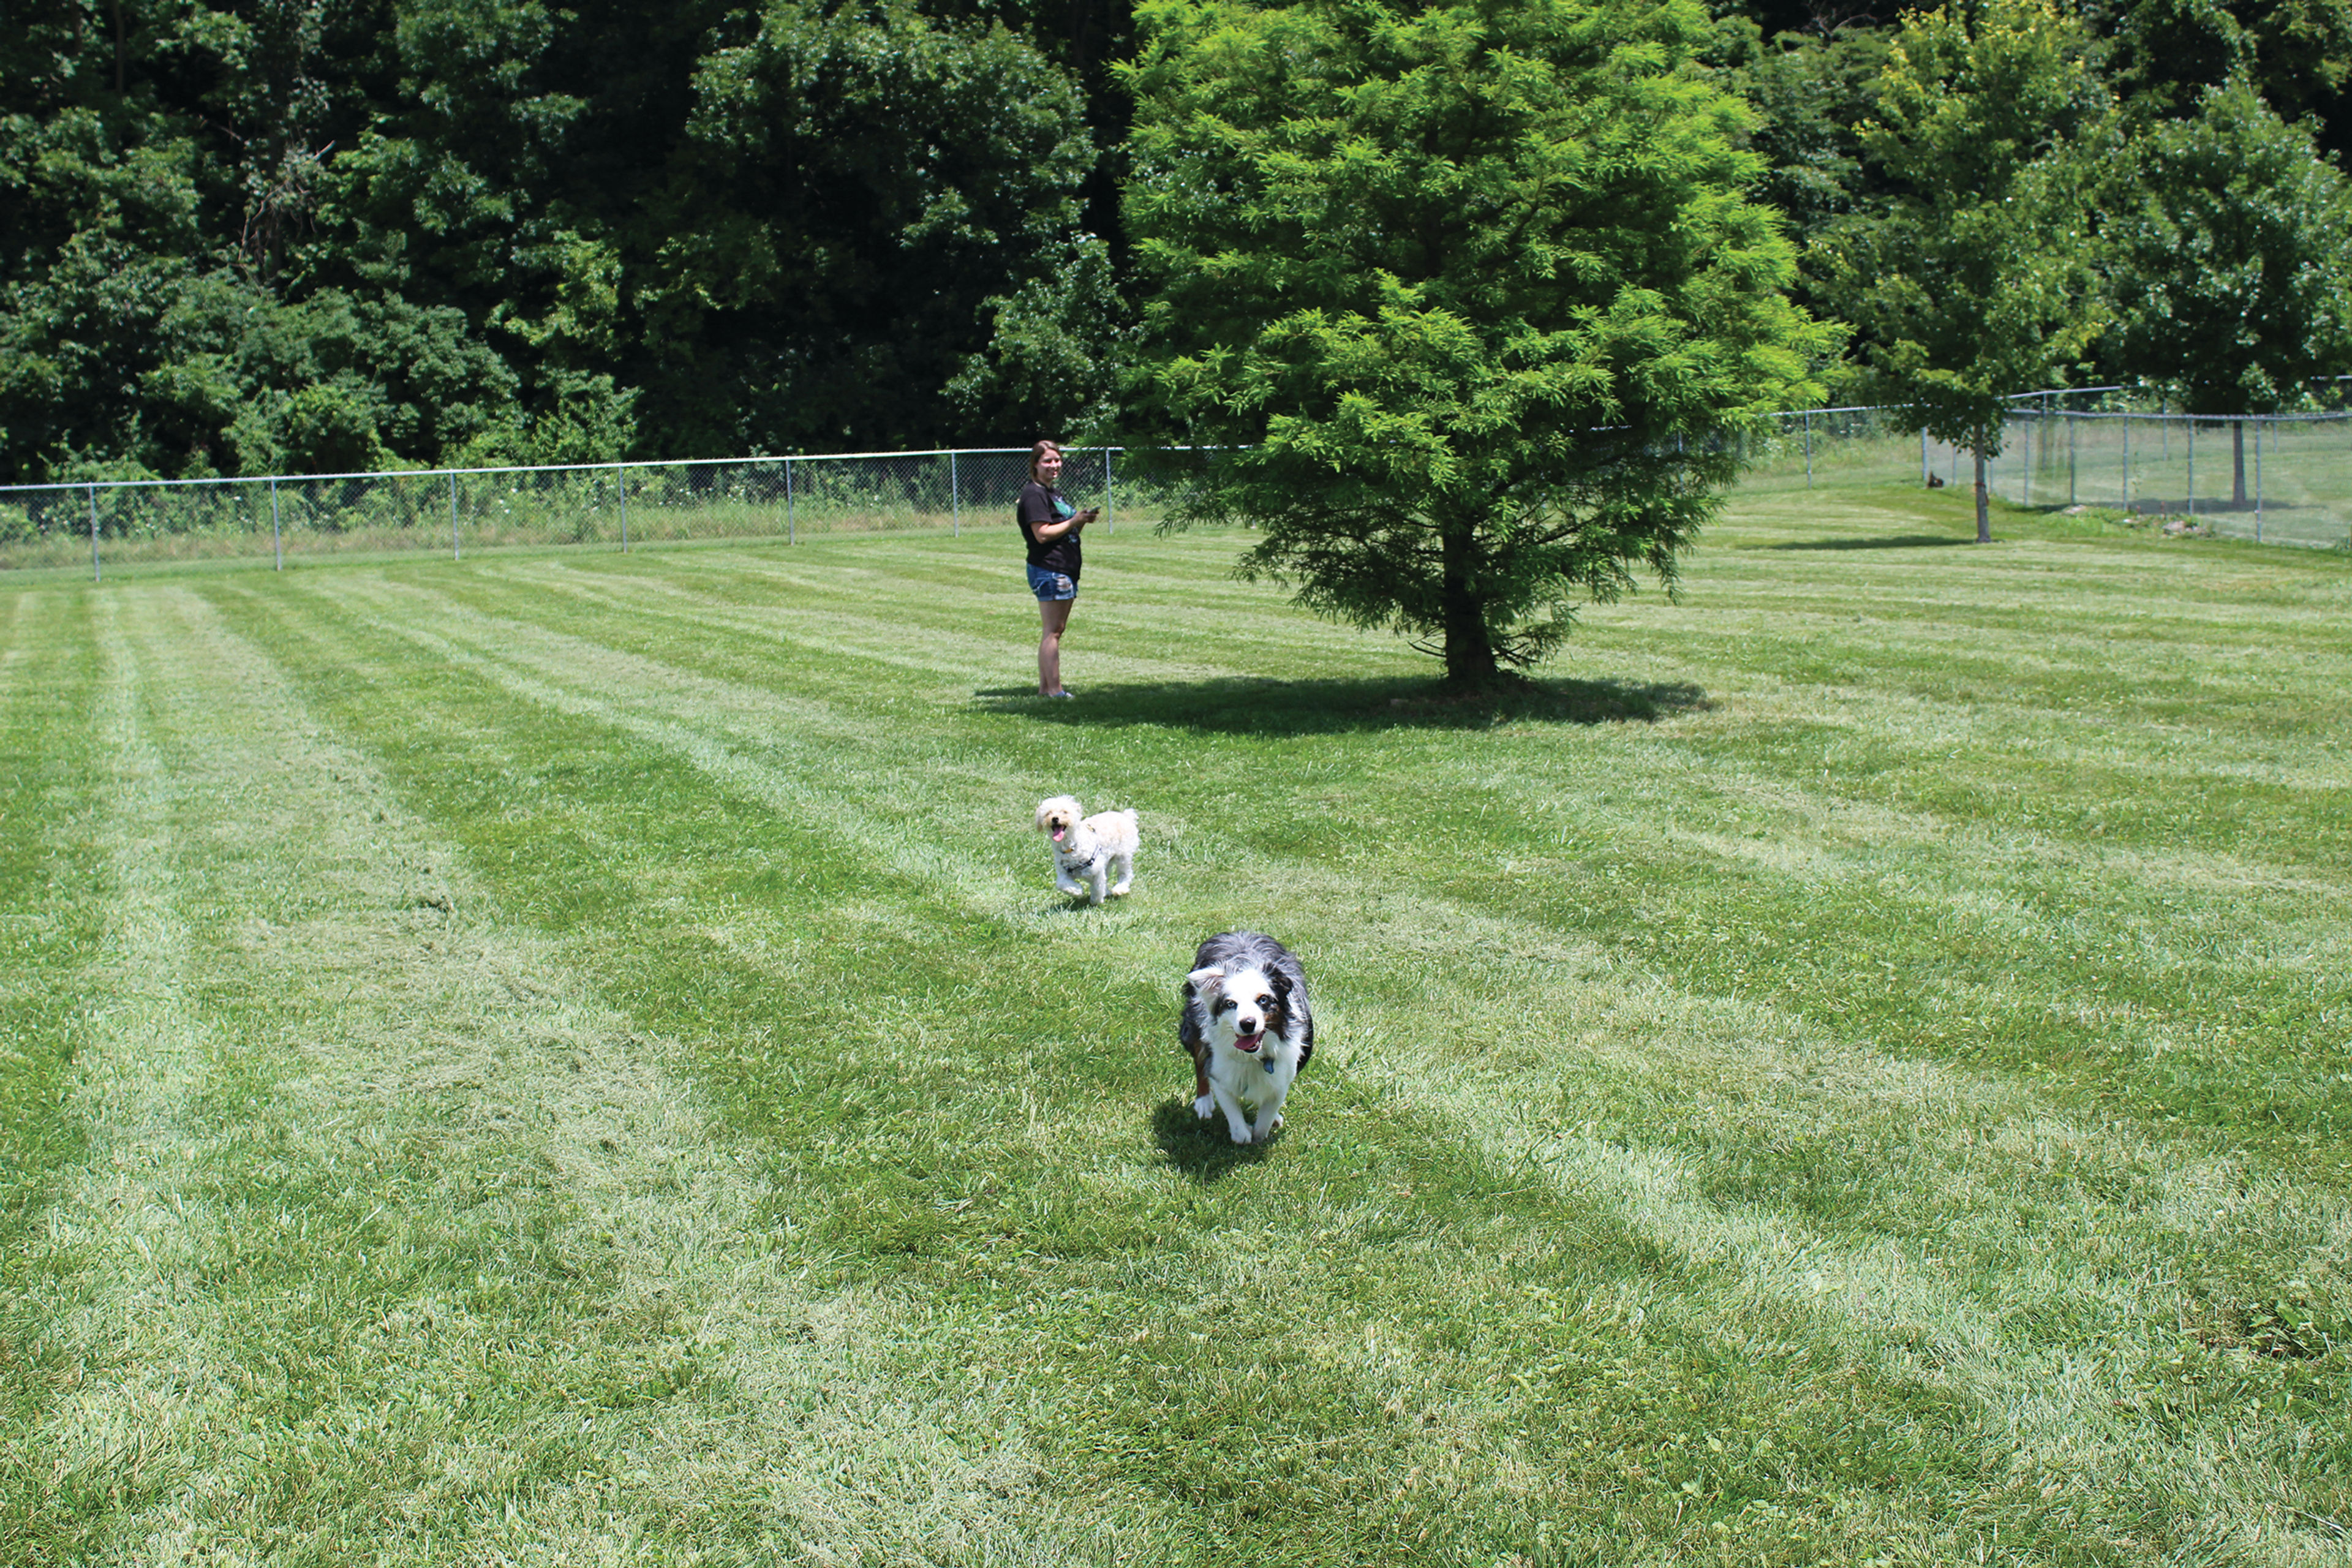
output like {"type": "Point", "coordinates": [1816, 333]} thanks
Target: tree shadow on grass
{"type": "Point", "coordinates": [1268, 707]}
{"type": "Point", "coordinates": [1203, 1150]}
{"type": "Point", "coordinates": [1899, 541]}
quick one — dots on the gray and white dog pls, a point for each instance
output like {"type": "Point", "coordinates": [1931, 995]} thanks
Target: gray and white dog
{"type": "Point", "coordinates": [1090, 846]}
{"type": "Point", "coordinates": [1246, 1026]}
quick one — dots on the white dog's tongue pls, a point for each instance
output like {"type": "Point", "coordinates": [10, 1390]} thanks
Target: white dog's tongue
{"type": "Point", "coordinates": [1248, 1042]}
{"type": "Point", "coordinates": [1058, 834]}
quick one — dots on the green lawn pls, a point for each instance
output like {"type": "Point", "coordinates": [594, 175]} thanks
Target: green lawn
{"type": "Point", "coordinates": [577, 1059]}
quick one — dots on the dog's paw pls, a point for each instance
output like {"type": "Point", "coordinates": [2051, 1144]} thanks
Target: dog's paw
{"type": "Point", "coordinates": [1244, 1135]}
{"type": "Point", "coordinates": [1120, 892]}
{"type": "Point", "coordinates": [1205, 1107]}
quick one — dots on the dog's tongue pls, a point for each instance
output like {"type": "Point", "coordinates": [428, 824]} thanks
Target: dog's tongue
{"type": "Point", "coordinates": [1058, 834]}
{"type": "Point", "coordinates": [1248, 1042]}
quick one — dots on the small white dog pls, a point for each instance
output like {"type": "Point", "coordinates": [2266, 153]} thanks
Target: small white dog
{"type": "Point", "coordinates": [1089, 847]}
{"type": "Point", "coordinates": [1246, 1026]}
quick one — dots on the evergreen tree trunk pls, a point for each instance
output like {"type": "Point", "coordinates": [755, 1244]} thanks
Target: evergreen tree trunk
{"type": "Point", "coordinates": [2238, 463]}
{"type": "Point", "coordinates": [1469, 653]}
{"type": "Point", "coordinates": [1984, 516]}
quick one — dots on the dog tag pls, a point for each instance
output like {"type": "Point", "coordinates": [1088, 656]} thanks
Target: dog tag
{"type": "Point", "coordinates": [1267, 1063]}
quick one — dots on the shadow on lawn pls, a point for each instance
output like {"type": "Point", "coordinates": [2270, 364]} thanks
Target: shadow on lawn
{"type": "Point", "coordinates": [1900, 541]}
{"type": "Point", "coordinates": [1266, 707]}
{"type": "Point", "coordinates": [1203, 1150]}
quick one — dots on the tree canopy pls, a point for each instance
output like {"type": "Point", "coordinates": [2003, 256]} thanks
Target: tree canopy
{"type": "Point", "coordinates": [246, 238]}
{"type": "Point", "coordinates": [1970, 279]}
{"type": "Point", "coordinates": [2229, 243]}
{"type": "Point", "coordinates": [1456, 301]}
{"type": "Point", "coordinates": [240, 236]}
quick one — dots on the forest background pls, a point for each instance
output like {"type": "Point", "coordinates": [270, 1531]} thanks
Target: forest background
{"type": "Point", "coordinates": [330, 236]}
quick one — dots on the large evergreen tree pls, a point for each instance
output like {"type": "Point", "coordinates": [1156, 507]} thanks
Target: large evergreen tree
{"type": "Point", "coordinates": [1465, 296]}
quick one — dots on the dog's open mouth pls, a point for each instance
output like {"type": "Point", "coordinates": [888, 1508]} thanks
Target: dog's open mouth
{"type": "Point", "coordinates": [1058, 833]}
{"type": "Point", "coordinates": [1248, 1042]}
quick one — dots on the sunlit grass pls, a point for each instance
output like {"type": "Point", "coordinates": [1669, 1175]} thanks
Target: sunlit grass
{"type": "Point", "coordinates": [579, 1056]}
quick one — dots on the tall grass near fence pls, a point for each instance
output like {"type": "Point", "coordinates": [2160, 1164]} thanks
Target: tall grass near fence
{"type": "Point", "coordinates": [568, 1057]}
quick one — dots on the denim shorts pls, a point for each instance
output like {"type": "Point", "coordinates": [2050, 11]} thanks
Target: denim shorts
{"type": "Point", "coordinates": [1051, 585]}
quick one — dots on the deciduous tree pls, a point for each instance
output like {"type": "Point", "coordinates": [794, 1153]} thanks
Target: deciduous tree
{"type": "Point", "coordinates": [1972, 279]}
{"type": "Point", "coordinates": [2229, 252]}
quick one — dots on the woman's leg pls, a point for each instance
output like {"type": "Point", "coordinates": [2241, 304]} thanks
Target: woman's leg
{"type": "Point", "coordinates": [1053, 616]}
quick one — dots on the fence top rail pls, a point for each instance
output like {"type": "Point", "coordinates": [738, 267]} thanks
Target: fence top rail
{"type": "Point", "coordinates": [2315, 416]}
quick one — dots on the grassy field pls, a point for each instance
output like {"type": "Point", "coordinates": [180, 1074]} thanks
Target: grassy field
{"type": "Point", "coordinates": [577, 1059]}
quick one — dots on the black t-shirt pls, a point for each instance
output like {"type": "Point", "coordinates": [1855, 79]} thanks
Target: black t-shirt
{"type": "Point", "coordinates": [1037, 504]}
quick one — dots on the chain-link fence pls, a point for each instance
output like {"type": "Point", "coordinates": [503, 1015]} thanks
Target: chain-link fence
{"type": "Point", "coordinates": [618, 505]}
{"type": "Point", "coordinates": [2285, 478]}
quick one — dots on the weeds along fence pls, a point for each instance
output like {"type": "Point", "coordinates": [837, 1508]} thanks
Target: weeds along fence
{"type": "Point", "coordinates": [118, 523]}
{"type": "Point", "coordinates": [2280, 478]}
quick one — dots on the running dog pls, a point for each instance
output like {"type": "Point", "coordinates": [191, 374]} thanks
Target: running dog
{"type": "Point", "coordinates": [1089, 847]}
{"type": "Point", "coordinates": [1246, 1026]}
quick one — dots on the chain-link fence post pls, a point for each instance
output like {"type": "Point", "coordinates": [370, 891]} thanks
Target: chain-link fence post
{"type": "Point", "coordinates": [1110, 510]}
{"type": "Point", "coordinates": [955, 501]}
{"type": "Point", "coordinates": [276, 537]}
{"type": "Point", "coordinates": [94, 572]}
{"type": "Point", "coordinates": [792, 524]}
{"type": "Point", "coordinates": [455, 552]}
{"type": "Point", "coordinates": [2128, 425]}
{"type": "Point", "coordinates": [621, 477]}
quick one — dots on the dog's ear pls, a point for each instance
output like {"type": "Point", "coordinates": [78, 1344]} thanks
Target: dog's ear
{"type": "Point", "coordinates": [1205, 982]}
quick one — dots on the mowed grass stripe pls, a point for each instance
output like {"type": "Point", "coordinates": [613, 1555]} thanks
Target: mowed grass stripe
{"type": "Point", "coordinates": [53, 887]}
{"type": "Point", "coordinates": [401, 1243]}
{"type": "Point", "coordinates": [2174, 630]}
{"type": "Point", "coordinates": [2056, 898]}
{"type": "Point", "coordinates": [1055, 1331]}
{"type": "Point", "coordinates": [1174, 616]}
{"type": "Point", "coordinates": [1424, 918]}
{"type": "Point", "coordinates": [51, 894]}
{"type": "Point", "coordinates": [1740, 879]}
{"type": "Point", "coordinates": [118, 1242]}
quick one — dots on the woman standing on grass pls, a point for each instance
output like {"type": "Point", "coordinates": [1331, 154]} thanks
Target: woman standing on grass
{"type": "Point", "coordinates": [1051, 525]}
